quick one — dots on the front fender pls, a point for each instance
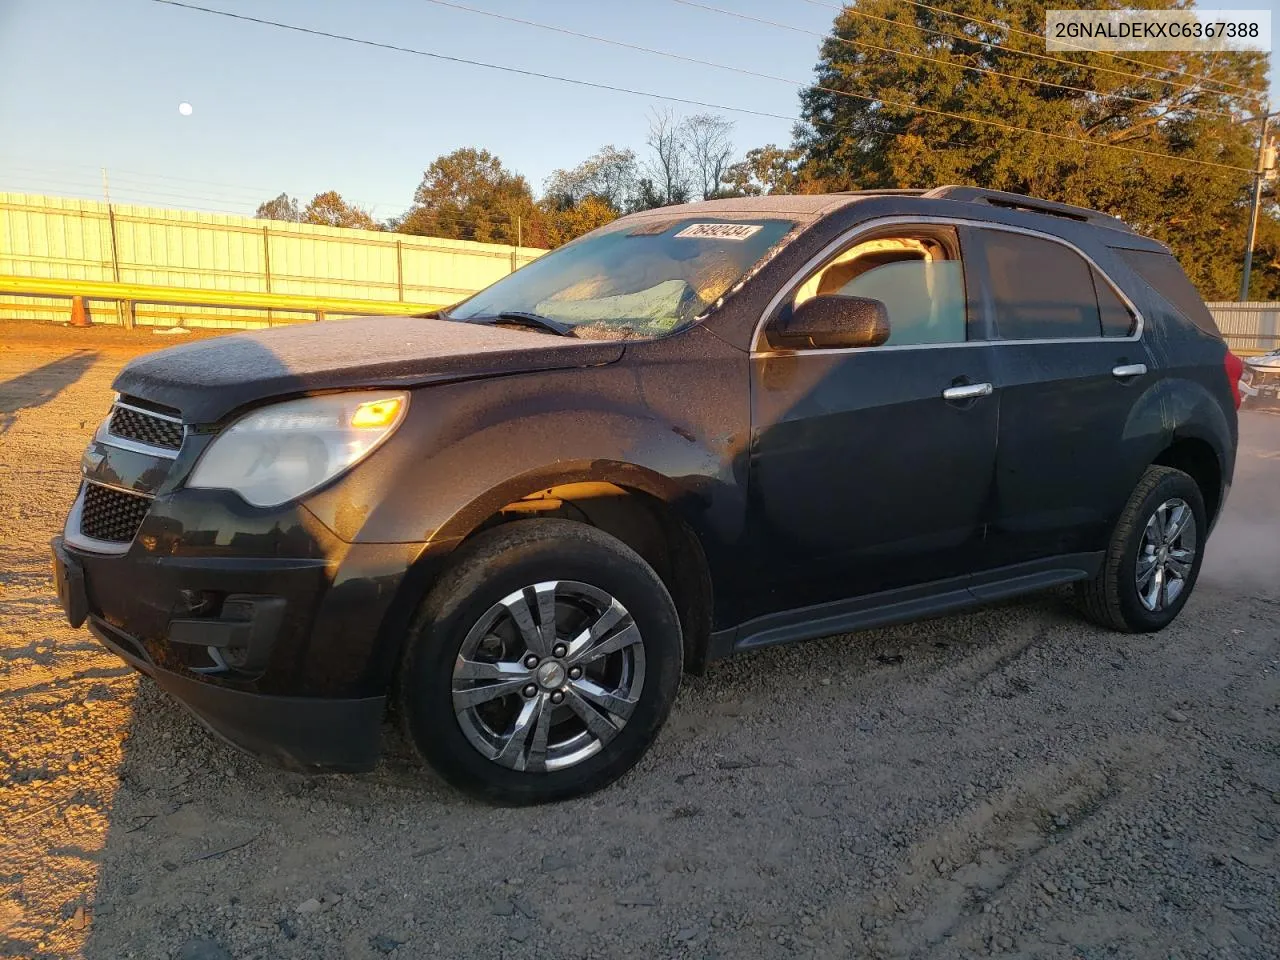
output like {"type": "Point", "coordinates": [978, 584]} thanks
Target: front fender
{"type": "Point", "coordinates": [468, 449]}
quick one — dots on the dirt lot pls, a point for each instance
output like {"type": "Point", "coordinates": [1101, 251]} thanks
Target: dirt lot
{"type": "Point", "coordinates": [1010, 781]}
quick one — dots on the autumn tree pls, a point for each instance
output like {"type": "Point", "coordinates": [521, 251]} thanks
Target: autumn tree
{"type": "Point", "coordinates": [909, 96]}
{"type": "Point", "coordinates": [328, 209]}
{"type": "Point", "coordinates": [283, 207]}
{"type": "Point", "coordinates": [469, 195]}
{"type": "Point", "coordinates": [767, 169]}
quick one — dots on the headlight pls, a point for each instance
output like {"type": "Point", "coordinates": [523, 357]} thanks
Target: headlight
{"type": "Point", "coordinates": [278, 453]}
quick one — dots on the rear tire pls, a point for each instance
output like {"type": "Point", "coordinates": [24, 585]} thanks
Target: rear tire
{"type": "Point", "coordinates": [1153, 559]}
{"type": "Point", "coordinates": [542, 664]}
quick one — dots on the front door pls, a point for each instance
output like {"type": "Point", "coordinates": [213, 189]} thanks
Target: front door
{"type": "Point", "coordinates": [871, 468]}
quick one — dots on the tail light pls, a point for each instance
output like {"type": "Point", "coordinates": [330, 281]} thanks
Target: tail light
{"type": "Point", "coordinates": [1235, 368]}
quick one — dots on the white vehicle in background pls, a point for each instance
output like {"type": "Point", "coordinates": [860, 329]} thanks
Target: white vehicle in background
{"type": "Point", "coordinates": [1260, 380]}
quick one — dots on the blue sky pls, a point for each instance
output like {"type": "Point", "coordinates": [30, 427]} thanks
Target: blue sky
{"type": "Point", "coordinates": [87, 84]}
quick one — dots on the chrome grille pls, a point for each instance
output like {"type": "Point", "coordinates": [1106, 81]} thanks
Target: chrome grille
{"type": "Point", "coordinates": [111, 515]}
{"type": "Point", "coordinates": [141, 426]}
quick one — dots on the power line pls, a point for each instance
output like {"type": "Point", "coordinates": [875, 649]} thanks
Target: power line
{"type": "Point", "coordinates": [522, 72]}
{"type": "Point", "coordinates": [1024, 53]}
{"type": "Point", "coordinates": [895, 52]}
{"type": "Point", "coordinates": [472, 63]}
{"type": "Point", "coordinates": [86, 189]}
{"type": "Point", "coordinates": [697, 103]}
{"type": "Point", "coordinates": [1035, 36]}
{"type": "Point", "coordinates": [249, 193]}
{"type": "Point", "coordinates": [1257, 95]}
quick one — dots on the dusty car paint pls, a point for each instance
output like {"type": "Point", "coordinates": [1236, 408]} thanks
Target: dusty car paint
{"type": "Point", "coordinates": [789, 469]}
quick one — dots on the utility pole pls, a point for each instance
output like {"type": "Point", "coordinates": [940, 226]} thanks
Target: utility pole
{"type": "Point", "coordinates": [124, 311]}
{"type": "Point", "coordinates": [1264, 170]}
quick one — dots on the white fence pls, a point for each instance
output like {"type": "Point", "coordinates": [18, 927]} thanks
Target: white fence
{"type": "Point", "coordinates": [55, 237]}
{"type": "Point", "coordinates": [1250, 326]}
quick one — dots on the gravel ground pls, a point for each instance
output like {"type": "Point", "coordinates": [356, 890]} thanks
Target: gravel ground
{"type": "Point", "coordinates": [1010, 781]}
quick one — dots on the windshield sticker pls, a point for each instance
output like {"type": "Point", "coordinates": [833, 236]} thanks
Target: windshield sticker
{"type": "Point", "coordinates": [720, 231]}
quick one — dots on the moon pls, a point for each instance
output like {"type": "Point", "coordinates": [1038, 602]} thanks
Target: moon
{"type": "Point", "coordinates": [184, 108]}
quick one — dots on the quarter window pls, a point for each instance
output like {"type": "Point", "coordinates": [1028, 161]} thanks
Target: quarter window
{"type": "Point", "coordinates": [918, 279]}
{"type": "Point", "coordinates": [1162, 274]}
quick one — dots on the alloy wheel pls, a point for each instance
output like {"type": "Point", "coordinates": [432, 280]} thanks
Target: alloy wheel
{"type": "Point", "coordinates": [548, 676]}
{"type": "Point", "coordinates": [1166, 554]}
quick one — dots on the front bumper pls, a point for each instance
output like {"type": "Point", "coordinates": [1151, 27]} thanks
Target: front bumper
{"type": "Point", "coordinates": [306, 734]}
{"type": "Point", "coordinates": [288, 658]}
{"type": "Point", "coordinates": [1260, 390]}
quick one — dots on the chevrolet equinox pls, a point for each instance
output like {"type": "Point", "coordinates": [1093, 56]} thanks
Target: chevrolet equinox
{"type": "Point", "coordinates": [696, 431]}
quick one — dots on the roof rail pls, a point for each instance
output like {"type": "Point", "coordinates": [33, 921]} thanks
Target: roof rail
{"type": "Point", "coordinates": [1016, 201]}
{"type": "Point", "coordinates": [880, 191]}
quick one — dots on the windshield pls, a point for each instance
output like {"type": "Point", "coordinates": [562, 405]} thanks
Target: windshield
{"type": "Point", "coordinates": [644, 278]}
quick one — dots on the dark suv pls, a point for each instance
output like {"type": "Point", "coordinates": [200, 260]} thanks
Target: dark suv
{"type": "Point", "coordinates": [696, 431]}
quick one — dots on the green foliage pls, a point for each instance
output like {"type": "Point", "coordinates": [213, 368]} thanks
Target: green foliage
{"type": "Point", "coordinates": [767, 169]}
{"type": "Point", "coordinates": [882, 141]}
{"type": "Point", "coordinates": [469, 195]}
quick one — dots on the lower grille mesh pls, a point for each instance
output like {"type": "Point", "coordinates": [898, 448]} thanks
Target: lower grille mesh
{"type": "Point", "coordinates": [112, 515]}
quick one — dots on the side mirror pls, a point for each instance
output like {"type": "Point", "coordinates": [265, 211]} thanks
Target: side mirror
{"type": "Point", "coordinates": [832, 322]}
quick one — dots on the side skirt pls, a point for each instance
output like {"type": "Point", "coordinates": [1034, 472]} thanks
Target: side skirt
{"type": "Point", "coordinates": [903, 604]}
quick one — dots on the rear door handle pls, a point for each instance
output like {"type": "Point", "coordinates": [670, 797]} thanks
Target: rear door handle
{"type": "Point", "coordinates": [1127, 370]}
{"type": "Point", "coordinates": [968, 391]}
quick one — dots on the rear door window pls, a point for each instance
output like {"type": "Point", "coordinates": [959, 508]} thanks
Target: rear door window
{"type": "Point", "coordinates": [1117, 319]}
{"type": "Point", "coordinates": [1040, 290]}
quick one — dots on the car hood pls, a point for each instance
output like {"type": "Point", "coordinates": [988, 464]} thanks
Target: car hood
{"type": "Point", "coordinates": [211, 378]}
{"type": "Point", "coordinates": [1269, 360]}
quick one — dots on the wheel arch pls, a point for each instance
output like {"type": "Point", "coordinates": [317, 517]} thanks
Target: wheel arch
{"type": "Point", "coordinates": [1197, 458]}
{"type": "Point", "coordinates": [1179, 423]}
{"type": "Point", "coordinates": [648, 512]}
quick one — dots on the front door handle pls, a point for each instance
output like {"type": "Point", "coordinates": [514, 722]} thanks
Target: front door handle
{"type": "Point", "coordinates": [1127, 370]}
{"type": "Point", "coordinates": [968, 391]}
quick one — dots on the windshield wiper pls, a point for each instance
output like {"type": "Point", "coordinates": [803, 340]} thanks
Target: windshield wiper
{"type": "Point", "coordinates": [524, 319]}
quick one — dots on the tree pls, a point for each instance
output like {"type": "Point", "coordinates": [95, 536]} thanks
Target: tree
{"type": "Point", "coordinates": [469, 195]}
{"type": "Point", "coordinates": [767, 169]}
{"type": "Point", "coordinates": [328, 209]}
{"type": "Point", "coordinates": [609, 175]}
{"type": "Point", "coordinates": [565, 224]}
{"type": "Point", "coordinates": [863, 130]}
{"type": "Point", "coordinates": [666, 171]}
{"type": "Point", "coordinates": [283, 207]}
{"type": "Point", "coordinates": [705, 141]}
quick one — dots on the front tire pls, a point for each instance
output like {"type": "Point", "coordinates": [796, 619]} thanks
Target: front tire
{"type": "Point", "coordinates": [1153, 559]}
{"type": "Point", "coordinates": [542, 664]}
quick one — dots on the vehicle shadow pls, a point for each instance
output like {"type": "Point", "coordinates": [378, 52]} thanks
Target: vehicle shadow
{"type": "Point", "coordinates": [37, 387]}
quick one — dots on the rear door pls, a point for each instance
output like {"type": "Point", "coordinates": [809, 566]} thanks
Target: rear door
{"type": "Point", "coordinates": [1069, 364]}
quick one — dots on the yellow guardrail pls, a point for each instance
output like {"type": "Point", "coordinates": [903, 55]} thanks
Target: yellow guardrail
{"type": "Point", "coordinates": [129, 294]}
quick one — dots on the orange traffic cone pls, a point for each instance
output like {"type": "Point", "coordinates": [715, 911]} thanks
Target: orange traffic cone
{"type": "Point", "coordinates": [80, 313]}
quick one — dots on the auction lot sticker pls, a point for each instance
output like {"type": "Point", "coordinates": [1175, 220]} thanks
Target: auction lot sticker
{"type": "Point", "coordinates": [1120, 30]}
{"type": "Point", "coordinates": [720, 231]}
